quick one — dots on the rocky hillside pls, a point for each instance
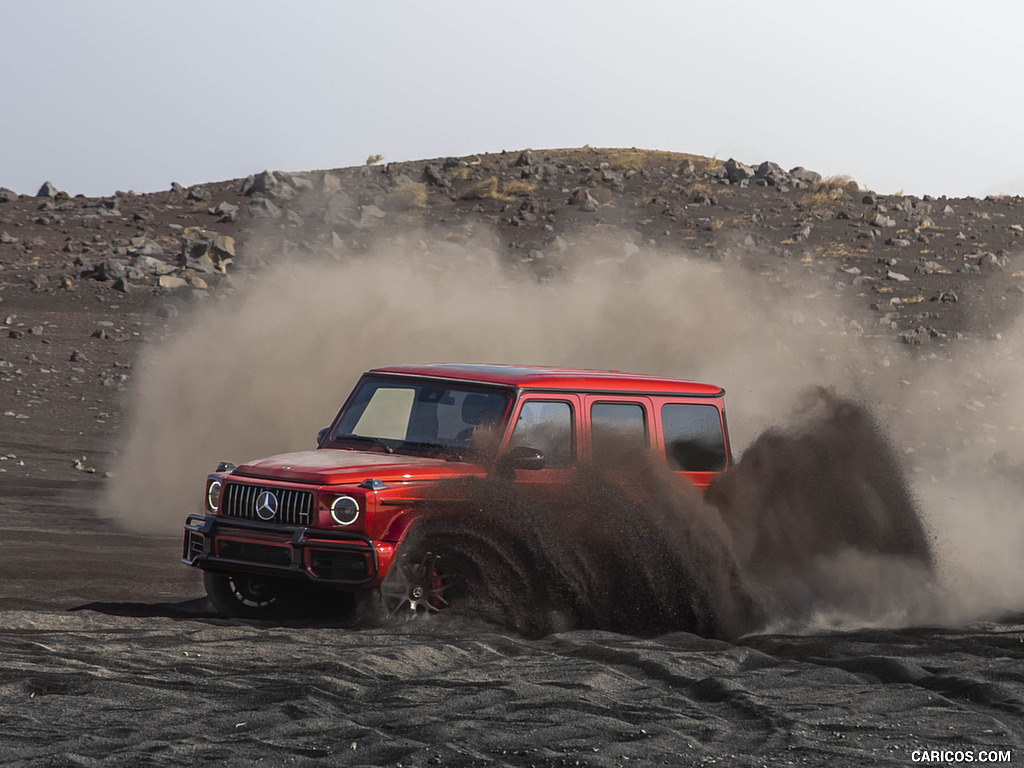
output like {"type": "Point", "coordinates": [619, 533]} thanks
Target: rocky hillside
{"type": "Point", "coordinates": [83, 280]}
{"type": "Point", "coordinates": [927, 267]}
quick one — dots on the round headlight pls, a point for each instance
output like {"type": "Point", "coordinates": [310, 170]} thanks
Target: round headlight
{"type": "Point", "coordinates": [213, 495]}
{"type": "Point", "coordinates": [345, 510]}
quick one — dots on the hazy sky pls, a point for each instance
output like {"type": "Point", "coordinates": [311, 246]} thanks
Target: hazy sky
{"type": "Point", "coordinates": [101, 95]}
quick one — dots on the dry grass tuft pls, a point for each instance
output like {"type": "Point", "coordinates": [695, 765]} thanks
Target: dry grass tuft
{"type": "Point", "coordinates": [840, 182]}
{"type": "Point", "coordinates": [638, 159]}
{"type": "Point", "coordinates": [828, 193]}
{"type": "Point", "coordinates": [482, 190]}
{"type": "Point", "coordinates": [632, 160]}
{"type": "Point", "coordinates": [374, 159]}
{"type": "Point", "coordinates": [519, 188]}
{"type": "Point", "coordinates": [408, 196]}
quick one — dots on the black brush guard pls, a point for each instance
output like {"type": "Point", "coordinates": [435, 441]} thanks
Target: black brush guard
{"type": "Point", "coordinates": [202, 531]}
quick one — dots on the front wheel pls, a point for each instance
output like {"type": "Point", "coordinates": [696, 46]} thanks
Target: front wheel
{"type": "Point", "coordinates": [240, 596]}
{"type": "Point", "coordinates": [416, 584]}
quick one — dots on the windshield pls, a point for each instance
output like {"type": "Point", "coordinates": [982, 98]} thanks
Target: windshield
{"type": "Point", "coordinates": [423, 414]}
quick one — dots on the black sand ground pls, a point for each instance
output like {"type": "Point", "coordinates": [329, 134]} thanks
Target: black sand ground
{"type": "Point", "coordinates": [139, 673]}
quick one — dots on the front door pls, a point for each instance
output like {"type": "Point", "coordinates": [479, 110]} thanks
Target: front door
{"type": "Point", "coordinates": [548, 423]}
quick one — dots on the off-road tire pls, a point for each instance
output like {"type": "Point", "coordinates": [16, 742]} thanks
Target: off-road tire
{"type": "Point", "coordinates": [240, 596]}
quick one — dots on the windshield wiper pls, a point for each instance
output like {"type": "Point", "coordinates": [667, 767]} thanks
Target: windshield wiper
{"type": "Point", "coordinates": [447, 452]}
{"type": "Point", "coordinates": [380, 442]}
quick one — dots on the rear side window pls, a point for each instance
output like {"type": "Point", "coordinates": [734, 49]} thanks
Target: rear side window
{"type": "Point", "coordinates": [694, 441]}
{"type": "Point", "coordinates": [618, 430]}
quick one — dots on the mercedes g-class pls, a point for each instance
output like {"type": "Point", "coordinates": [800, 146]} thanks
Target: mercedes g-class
{"type": "Point", "coordinates": [337, 516]}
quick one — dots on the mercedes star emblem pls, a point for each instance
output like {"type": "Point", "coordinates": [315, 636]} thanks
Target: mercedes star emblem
{"type": "Point", "coordinates": [266, 505]}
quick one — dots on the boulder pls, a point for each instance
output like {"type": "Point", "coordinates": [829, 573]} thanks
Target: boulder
{"type": "Point", "coordinates": [111, 269]}
{"type": "Point", "coordinates": [339, 210]}
{"type": "Point", "coordinates": [299, 182]}
{"type": "Point", "coordinates": [227, 212]}
{"type": "Point", "coordinates": [369, 215]}
{"type": "Point", "coordinates": [206, 252]}
{"type": "Point", "coordinates": [329, 182]}
{"type": "Point", "coordinates": [434, 176]}
{"type": "Point", "coordinates": [150, 248]}
{"type": "Point", "coordinates": [262, 208]}
{"type": "Point", "coordinates": [270, 183]}
{"type": "Point", "coordinates": [172, 283]}
{"type": "Point", "coordinates": [802, 174]}
{"type": "Point", "coordinates": [736, 171]}
{"type": "Point", "coordinates": [991, 263]}
{"type": "Point", "coordinates": [917, 336]}
{"type": "Point", "coordinates": [525, 158]}
{"type": "Point", "coordinates": [147, 264]}
{"type": "Point", "coordinates": [336, 243]}
{"type": "Point", "coordinates": [771, 173]}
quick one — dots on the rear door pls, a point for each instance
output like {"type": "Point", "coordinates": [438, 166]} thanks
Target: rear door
{"type": "Point", "coordinates": [620, 430]}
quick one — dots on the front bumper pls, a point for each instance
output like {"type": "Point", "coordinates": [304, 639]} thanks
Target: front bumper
{"type": "Point", "coordinates": [326, 557]}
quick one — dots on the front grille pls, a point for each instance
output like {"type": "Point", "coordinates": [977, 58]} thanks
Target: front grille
{"type": "Point", "coordinates": [293, 507]}
{"type": "Point", "coordinates": [254, 553]}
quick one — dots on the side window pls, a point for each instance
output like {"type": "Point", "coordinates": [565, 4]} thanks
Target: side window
{"type": "Point", "coordinates": [618, 430]}
{"type": "Point", "coordinates": [449, 416]}
{"type": "Point", "coordinates": [694, 440]}
{"type": "Point", "coordinates": [459, 413]}
{"type": "Point", "coordinates": [547, 426]}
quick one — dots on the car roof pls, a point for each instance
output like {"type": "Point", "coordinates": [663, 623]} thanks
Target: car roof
{"type": "Point", "coordinates": [543, 377]}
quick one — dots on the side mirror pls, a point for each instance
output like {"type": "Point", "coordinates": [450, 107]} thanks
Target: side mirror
{"type": "Point", "coordinates": [321, 434]}
{"type": "Point", "coordinates": [520, 457]}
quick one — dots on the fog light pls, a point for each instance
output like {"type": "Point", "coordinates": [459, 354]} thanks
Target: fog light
{"type": "Point", "coordinates": [345, 510]}
{"type": "Point", "coordinates": [213, 493]}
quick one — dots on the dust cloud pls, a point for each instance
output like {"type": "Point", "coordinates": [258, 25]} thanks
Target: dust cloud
{"type": "Point", "coordinates": [642, 559]}
{"type": "Point", "coordinates": [962, 421]}
{"type": "Point", "coordinates": [823, 523]}
{"type": "Point", "coordinates": [261, 371]}
{"type": "Point", "coordinates": [814, 526]}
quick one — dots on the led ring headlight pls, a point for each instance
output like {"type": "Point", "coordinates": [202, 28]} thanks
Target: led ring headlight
{"type": "Point", "coordinates": [213, 494]}
{"type": "Point", "coordinates": [345, 510]}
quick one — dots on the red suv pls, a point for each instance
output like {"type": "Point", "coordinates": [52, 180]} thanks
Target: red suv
{"type": "Point", "coordinates": [337, 516]}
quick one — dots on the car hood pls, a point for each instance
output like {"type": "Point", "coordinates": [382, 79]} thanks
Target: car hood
{"type": "Point", "coordinates": [332, 466]}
